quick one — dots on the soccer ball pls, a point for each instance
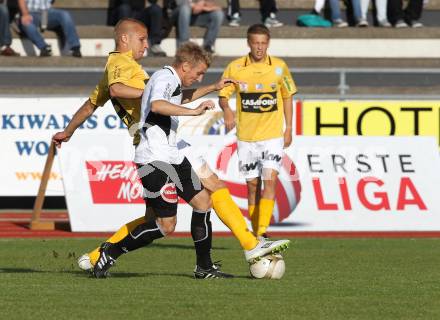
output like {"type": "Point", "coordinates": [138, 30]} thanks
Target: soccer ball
{"type": "Point", "coordinates": [84, 262]}
{"type": "Point", "coordinates": [271, 266]}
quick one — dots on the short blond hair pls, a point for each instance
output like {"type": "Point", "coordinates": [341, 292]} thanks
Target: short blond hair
{"type": "Point", "coordinates": [126, 25]}
{"type": "Point", "coordinates": [193, 54]}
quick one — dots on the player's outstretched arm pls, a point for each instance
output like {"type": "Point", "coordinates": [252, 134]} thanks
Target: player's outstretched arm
{"type": "Point", "coordinates": [189, 95]}
{"type": "Point", "coordinates": [228, 114]}
{"type": "Point", "coordinates": [166, 108]}
{"type": "Point", "coordinates": [78, 119]}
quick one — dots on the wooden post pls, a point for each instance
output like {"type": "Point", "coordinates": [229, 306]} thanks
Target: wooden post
{"type": "Point", "coordinates": [36, 224]}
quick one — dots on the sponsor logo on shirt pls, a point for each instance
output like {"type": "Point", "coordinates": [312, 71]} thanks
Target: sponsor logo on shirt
{"type": "Point", "coordinates": [259, 102]}
{"type": "Point", "coordinates": [259, 86]}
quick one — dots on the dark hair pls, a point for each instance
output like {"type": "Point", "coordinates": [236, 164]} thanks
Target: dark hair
{"type": "Point", "coordinates": [258, 29]}
{"type": "Point", "coordinates": [192, 53]}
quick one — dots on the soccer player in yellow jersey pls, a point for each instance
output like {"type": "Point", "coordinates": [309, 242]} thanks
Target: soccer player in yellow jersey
{"type": "Point", "coordinates": [264, 93]}
{"type": "Point", "coordinates": [123, 82]}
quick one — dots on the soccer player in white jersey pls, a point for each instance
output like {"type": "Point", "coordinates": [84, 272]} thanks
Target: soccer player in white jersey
{"type": "Point", "coordinates": [128, 84]}
{"type": "Point", "coordinates": [166, 174]}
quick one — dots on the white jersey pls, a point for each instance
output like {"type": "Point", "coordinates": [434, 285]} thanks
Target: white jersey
{"type": "Point", "coordinates": [158, 132]}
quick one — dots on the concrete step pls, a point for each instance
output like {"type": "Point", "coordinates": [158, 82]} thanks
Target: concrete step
{"type": "Point", "coordinates": [286, 41]}
{"type": "Point", "coordinates": [285, 33]}
{"type": "Point", "coordinates": [27, 63]}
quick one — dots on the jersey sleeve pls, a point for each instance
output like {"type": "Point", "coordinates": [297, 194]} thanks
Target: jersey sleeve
{"type": "Point", "coordinates": [162, 87]}
{"type": "Point", "coordinates": [100, 94]}
{"type": "Point", "coordinates": [119, 71]}
{"type": "Point", "coordinates": [288, 86]}
{"type": "Point", "coordinates": [227, 91]}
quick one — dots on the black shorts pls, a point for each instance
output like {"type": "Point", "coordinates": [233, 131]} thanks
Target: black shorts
{"type": "Point", "coordinates": [164, 182]}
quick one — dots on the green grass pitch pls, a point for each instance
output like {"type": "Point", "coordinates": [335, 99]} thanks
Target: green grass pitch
{"type": "Point", "coordinates": [325, 279]}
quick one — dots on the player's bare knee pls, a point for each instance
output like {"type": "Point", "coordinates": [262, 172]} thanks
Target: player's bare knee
{"type": "Point", "coordinates": [167, 225]}
{"type": "Point", "coordinates": [201, 201]}
{"type": "Point", "coordinates": [213, 183]}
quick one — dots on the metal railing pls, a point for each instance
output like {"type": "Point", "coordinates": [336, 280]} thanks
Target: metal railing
{"type": "Point", "coordinates": [343, 86]}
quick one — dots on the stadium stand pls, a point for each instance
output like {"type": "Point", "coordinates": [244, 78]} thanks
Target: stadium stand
{"type": "Point", "coordinates": [288, 41]}
{"type": "Point", "coordinates": [325, 61]}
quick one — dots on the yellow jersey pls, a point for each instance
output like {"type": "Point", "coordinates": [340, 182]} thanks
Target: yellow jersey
{"type": "Point", "coordinates": [260, 94]}
{"type": "Point", "coordinates": [121, 68]}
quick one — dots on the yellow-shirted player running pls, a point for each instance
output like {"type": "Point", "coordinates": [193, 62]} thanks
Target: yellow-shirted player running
{"type": "Point", "coordinates": [264, 93]}
{"type": "Point", "coordinates": [123, 82]}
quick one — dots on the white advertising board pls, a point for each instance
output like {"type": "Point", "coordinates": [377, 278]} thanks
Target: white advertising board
{"type": "Point", "coordinates": [367, 184]}
{"type": "Point", "coordinates": [336, 184]}
{"type": "Point", "coordinates": [27, 125]}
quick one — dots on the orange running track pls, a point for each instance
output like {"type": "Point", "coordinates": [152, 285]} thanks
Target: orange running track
{"type": "Point", "coordinates": [16, 225]}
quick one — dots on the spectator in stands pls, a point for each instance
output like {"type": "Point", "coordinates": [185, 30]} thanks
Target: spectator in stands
{"type": "Point", "coordinates": [268, 10]}
{"type": "Point", "coordinates": [335, 12]}
{"type": "Point", "coordinates": [202, 13]}
{"type": "Point", "coordinates": [5, 32]}
{"type": "Point", "coordinates": [403, 18]}
{"type": "Point", "coordinates": [38, 15]}
{"type": "Point", "coordinates": [381, 12]}
{"type": "Point", "coordinates": [151, 16]}
{"type": "Point", "coordinates": [354, 6]}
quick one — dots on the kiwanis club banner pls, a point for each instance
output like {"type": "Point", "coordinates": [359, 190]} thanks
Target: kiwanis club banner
{"type": "Point", "coordinates": [325, 183]}
{"type": "Point", "coordinates": [27, 125]}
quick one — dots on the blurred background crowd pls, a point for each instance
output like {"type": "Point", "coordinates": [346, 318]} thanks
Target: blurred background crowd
{"type": "Point", "coordinates": [30, 18]}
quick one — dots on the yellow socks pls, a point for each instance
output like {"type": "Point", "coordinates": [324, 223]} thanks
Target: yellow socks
{"type": "Point", "coordinates": [265, 214]}
{"type": "Point", "coordinates": [117, 236]}
{"type": "Point", "coordinates": [231, 216]}
{"type": "Point", "coordinates": [254, 215]}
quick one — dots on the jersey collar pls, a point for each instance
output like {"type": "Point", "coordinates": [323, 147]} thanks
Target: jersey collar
{"type": "Point", "coordinates": [128, 53]}
{"type": "Point", "coordinates": [174, 72]}
{"type": "Point", "coordinates": [248, 60]}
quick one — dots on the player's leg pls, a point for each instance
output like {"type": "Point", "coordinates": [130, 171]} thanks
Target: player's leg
{"type": "Point", "coordinates": [141, 236]}
{"type": "Point", "coordinates": [201, 229]}
{"type": "Point", "coordinates": [253, 193]}
{"type": "Point", "coordinates": [226, 209]}
{"type": "Point", "coordinates": [271, 164]}
{"type": "Point", "coordinates": [249, 156]}
{"type": "Point", "coordinates": [87, 261]}
{"type": "Point", "coordinates": [162, 198]}
{"type": "Point", "coordinates": [267, 201]}
{"type": "Point", "coordinates": [116, 237]}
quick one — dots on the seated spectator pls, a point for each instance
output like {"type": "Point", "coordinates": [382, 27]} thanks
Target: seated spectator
{"type": "Point", "coordinates": [354, 13]}
{"type": "Point", "coordinates": [151, 16]}
{"type": "Point", "coordinates": [268, 10]}
{"type": "Point", "coordinates": [5, 32]}
{"type": "Point", "coordinates": [403, 18]}
{"type": "Point", "coordinates": [381, 12]}
{"type": "Point", "coordinates": [38, 15]}
{"type": "Point", "coordinates": [335, 12]}
{"type": "Point", "coordinates": [202, 13]}
{"type": "Point", "coordinates": [353, 7]}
